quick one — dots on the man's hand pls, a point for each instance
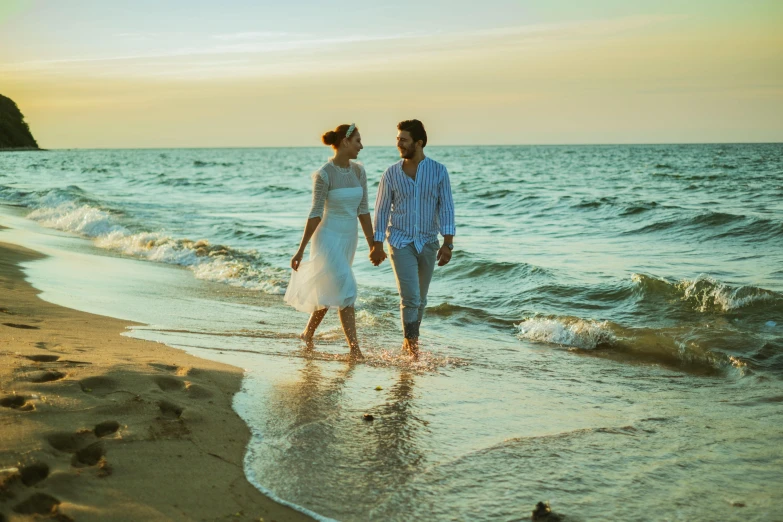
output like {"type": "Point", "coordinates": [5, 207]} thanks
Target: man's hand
{"type": "Point", "coordinates": [377, 254]}
{"type": "Point", "coordinates": [444, 255]}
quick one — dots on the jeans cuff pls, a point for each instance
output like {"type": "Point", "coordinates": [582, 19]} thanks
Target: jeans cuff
{"type": "Point", "coordinates": [411, 330]}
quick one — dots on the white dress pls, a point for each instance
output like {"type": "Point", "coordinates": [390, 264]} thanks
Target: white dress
{"type": "Point", "coordinates": [326, 278]}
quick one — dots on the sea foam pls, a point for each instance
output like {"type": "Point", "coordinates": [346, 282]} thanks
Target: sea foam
{"type": "Point", "coordinates": [246, 269]}
{"type": "Point", "coordinates": [706, 294]}
{"type": "Point", "coordinates": [571, 332]}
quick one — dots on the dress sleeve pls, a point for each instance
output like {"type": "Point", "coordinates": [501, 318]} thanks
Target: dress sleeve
{"type": "Point", "coordinates": [320, 192]}
{"type": "Point", "coordinates": [363, 206]}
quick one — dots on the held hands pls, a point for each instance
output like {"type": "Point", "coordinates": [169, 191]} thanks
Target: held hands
{"type": "Point", "coordinates": [377, 254]}
{"type": "Point", "coordinates": [444, 255]}
{"type": "Point", "coordinates": [296, 260]}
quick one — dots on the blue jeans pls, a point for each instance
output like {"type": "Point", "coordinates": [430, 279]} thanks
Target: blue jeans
{"type": "Point", "coordinates": [413, 271]}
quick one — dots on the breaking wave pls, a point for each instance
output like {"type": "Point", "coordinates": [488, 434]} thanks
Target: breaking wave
{"type": "Point", "coordinates": [706, 294]}
{"type": "Point", "coordinates": [681, 347]}
{"type": "Point", "coordinates": [71, 210]}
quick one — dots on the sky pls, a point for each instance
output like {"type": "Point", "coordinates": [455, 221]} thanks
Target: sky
{"type": "Point", "coordinates": [254, 73]}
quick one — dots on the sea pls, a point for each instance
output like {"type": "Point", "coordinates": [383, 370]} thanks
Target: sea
{"type": "Point", "coordinates": [608, 336]}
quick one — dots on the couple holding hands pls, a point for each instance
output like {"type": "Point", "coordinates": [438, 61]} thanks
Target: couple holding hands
{"type": "Point", "coordinates": [414, 204]}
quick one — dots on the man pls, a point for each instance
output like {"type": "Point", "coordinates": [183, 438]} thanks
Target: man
{"type": "Point", "coordinates": [414, 203]}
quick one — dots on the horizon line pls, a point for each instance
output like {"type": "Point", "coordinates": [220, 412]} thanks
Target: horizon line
{"type": "Point", "coordinates": [607, 144]}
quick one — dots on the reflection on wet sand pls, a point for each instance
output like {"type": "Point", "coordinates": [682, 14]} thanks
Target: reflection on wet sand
{"type": "Point", "coordinates": [318, 439]}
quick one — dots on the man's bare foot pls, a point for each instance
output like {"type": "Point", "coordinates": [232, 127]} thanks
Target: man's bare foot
{"type": "Point", "coordinates": [411, 347]}
{"type": "Point", "coordinates": [356, 354]}
{"type": "Point", "coordinates": [308, 340]}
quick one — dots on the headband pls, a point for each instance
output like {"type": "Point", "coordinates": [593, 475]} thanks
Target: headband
{"type": "Point", "coordinates": [350, 130]}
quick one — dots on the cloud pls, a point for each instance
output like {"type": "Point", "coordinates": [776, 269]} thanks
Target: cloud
{"type": "Point", "coordinates": [217, 56]}
{"type": "Point", "coordinates": [266, 35]}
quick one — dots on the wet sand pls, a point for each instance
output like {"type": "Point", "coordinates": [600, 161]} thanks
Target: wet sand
{"type": "Point", "coordinates": [99, 426]}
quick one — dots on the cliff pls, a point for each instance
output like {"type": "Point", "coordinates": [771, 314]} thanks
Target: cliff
{"type": "Point", "coordinates": [14, 132]}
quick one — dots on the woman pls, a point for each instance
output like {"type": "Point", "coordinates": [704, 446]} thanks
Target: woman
{"type": "Point", "coordinates": [326, 279]}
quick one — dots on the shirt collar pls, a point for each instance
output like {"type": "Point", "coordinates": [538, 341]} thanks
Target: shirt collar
{"type": "Point", "coordinates": [399, 163]}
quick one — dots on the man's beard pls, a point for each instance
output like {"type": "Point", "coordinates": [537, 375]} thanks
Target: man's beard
{"type": "Point", "coordinates": [408, 153]}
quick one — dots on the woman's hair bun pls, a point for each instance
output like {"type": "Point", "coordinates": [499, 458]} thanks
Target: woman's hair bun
{"type": "Point", "coordinates": [329, 137]}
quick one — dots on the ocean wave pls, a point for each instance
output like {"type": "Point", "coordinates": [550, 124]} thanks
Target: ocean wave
{"type": "Point", "coordinates": [756, 229]}
{"type": "Point", "coordinates": [71, 210]}
{"type": "Point", "coordinates": [638, 208]}
{"type": "Point", "coordinates": [573, 332]}
{"type": "Point", "coordinates": [182, 182]}
{"type": "Point", "coordinates": [618, 206]}
{"type": "Point", "coordinates": [467, 314]}
{"type": "Point", "coordinates": [495, 194]}
{"type": "Point", "coordinates": [80, 219]}
{"type": "Point", "coordinates": [472, 267]}
{"type": "Point", "coordinates": [706, 294]}
{"type": "Point", "coordinates": [741, 226]}
{"type": "Point", "coordinates": [676, 347]}
{"type": "Point", "coordinates": [711, 295]}
{"type": "Point", "coordinates": [216, 263]}
{"type": "Point", "coordinates": [199, 163]}
{"type": "Point", "coordinates": [13, 195]}
{"type": "Point", "coordinates": [595, 203]}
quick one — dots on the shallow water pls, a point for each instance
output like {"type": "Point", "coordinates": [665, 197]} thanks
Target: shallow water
{"type": "Point", "coordinates": [608, 336]}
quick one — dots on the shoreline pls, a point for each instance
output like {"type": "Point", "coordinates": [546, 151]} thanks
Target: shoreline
{"type": "Point", "coordinates": [99, 426]}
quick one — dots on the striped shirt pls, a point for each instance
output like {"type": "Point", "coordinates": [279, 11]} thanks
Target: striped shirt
{"type": "Point", "coordinates": [408, 211]}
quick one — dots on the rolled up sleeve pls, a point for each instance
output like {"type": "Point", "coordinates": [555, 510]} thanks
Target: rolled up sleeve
{"type": "Point", "coordinates": [446, 220]}
{"type": "Point", "coordinates": [383, 203]}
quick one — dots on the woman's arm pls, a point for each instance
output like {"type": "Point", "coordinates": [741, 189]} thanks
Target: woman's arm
{"type": "Point", "coordinates": [364, 213]}
{"type": "Point", "coordinates": [366, 223]}
{"type": "Point", "coordinates": [309, 230]}
{"type": "Point", "coordinates": [320, 193]}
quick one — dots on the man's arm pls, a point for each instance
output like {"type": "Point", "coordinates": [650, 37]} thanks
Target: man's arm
{"type": "Point", "coordinates": [446, 207]}
{"type": "Point", "coordinates": [383, 203]}
{"type": "Point", "coordinates": [446, 219]}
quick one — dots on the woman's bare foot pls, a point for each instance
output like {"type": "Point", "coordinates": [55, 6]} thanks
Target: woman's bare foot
{"type": "Point", "coordinates": [308, 340]}
{"type": "Point", "coordinates": [356, 354]}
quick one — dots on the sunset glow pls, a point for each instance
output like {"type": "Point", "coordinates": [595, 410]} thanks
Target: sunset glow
{"type": "Point", "coordinates": [199, 74]}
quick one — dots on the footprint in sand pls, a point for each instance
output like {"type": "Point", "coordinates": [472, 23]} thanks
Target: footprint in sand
{"type": "Point", "coordinates": [195, 391]}
{"type": "Point", "coordinates": [176, 370]}
{"type": "Point", "coordinates": [16, 402]}
{"type": "Point", "coordinates": [46, 376]}
{"type": "Point", "coordinates": [98, 385]}
{"type": "Point", "coordinates": [21, 326]}
{"type": "Point", "coordinates": [42, 358]}
{"type": "Point", "coordinates": [70, 442]}
{"type": "Point", "coordinates": [89, 456]}
{"type": "Point", "coordinates": [82, 444]}
{"type": "Point", "coordinates": [166, 383]}
{"type": "Point", "coordinates": [171, 368]}
{"type": "Point", "coordinates": [29, 475]}
{"type": "Point", "coordinates": [34, 473]}
{"type": "Point", "coordinates": [170, 411]}
{"type": "Point", "coordinates": [38, 504]}
{"type": "Point", "coordinates": [106, 428]}
{"type": "Point", "coordinates": [172, 384]}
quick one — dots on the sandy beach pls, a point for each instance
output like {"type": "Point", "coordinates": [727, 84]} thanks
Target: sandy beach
{"type": "Point", "coordinates": [99, 426]}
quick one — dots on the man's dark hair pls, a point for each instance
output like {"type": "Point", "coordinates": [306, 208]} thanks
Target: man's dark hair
{"type": "Point", "coordinates": [416, 130]}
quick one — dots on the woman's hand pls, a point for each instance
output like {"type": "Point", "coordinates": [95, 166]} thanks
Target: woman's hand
{"type": "Point", "coordinates": [296, 260]}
